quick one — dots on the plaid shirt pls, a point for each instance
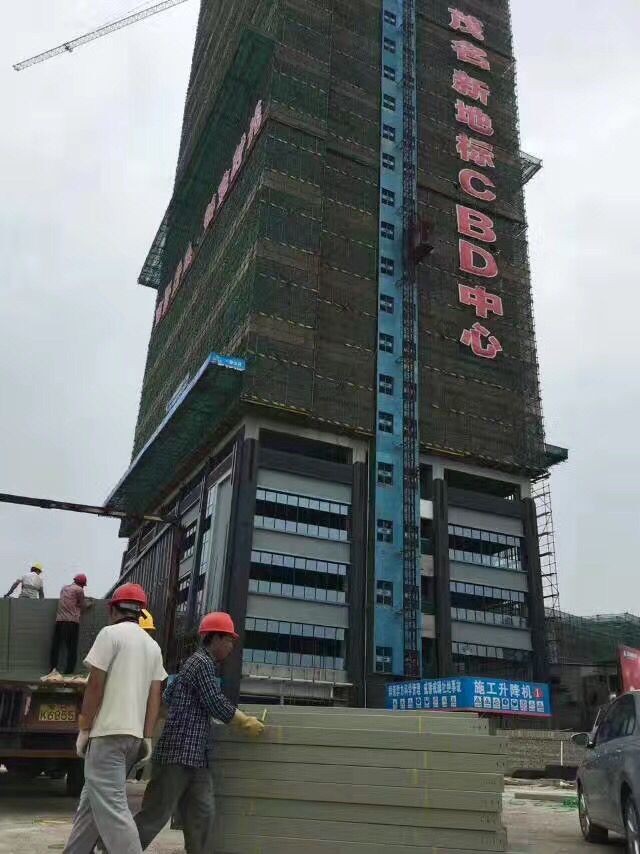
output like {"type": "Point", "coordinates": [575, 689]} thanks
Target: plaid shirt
{"type": "Point", "coordinates": [193, 698]}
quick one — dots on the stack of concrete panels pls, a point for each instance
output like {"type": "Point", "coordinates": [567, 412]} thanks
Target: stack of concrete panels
{"type": "Point", "coordinates": [357, 781]}
{"type": "Point", "coordinates": [26, 631]}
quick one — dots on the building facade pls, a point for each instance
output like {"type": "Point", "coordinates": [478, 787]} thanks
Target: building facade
{"type": "Point", "coordinates": [341, 400]}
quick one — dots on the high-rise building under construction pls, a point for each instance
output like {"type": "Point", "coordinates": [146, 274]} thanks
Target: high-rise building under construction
{"type": "Point", "coordinates": [341, 399]}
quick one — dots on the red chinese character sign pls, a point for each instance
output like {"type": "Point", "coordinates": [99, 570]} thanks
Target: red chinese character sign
{"type": "Point", "coordinates": [475, 228]}
{"type": "Point", "coordinates": [475, 118]}
{"type": "Point", "coordinates": [475, 151]}
{"type": "Point", "coordinates": [473, 338]}
{"type": "Point", "coordinates": [466, 24]}
{"type": "Point", "coordinates": [471, 54]}
{"type": "Point", "coordinates": [469, 87]}
{"type": "Point", "coordinates": [213, 208]}
{"type": "Point", "coordinates": [483, 302]}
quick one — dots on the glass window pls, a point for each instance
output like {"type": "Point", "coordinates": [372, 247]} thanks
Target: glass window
{"type": "Point", "coordinates": [384, 592]}
{"type": "Point", "coordinates": [189, 541]}
{"type": "Point", "coordinates": [384, 531]}
{"type": "Point", "coordinates": [485, 548]}
{"type": "Point", "coordinates": [388, 102]}
{"type": "Point", "coordinates": [389, 72]}
{"type": "Point", "coordinates": [390, 18]}
{"type": "Point", "coordinates": [385, 474]}
{"type": "Point", "coordinates": [387, 303]}
{"type": "Point", "coordinates": [303, 515]}
{"type": "Point", "coordinates": [384, 659]}
{"type": "Point", "coordinates": [385, 422]}
{"type": "Point", "coordinates": [385, 384]}
{"type": "Point", "coordinates": [389, 132]}
{"type": "Point", "coordinates": [388, 161]}
{"type": "Point", "coordinates": [386, 342]}
{"type": "Point", "coordinates": [388, 197]}
{"type": "Point", "coordinates": [387, 266]}
{"type": "Point", "coordinates": [389, 45]}
{"type": "Point", "coordinates": [620, 720]}
{"type": "Point", "coordinates": [388, 231]}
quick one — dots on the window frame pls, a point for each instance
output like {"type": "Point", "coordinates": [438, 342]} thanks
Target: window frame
{"type": "Point", "coordinates": [388, 341]}
{"type": "Point", "coordinates": [386, 422]}
{"type": "Point", "coordinates": [387, 470]}
{"type": "Point", "coordinates": [387, 230]}
{"type": "Point", "coordinates": [388, 161]}
{"type": "Point", "coordinates": [387, 266]}
{"type": "Point", "coordinates": [389, 132]}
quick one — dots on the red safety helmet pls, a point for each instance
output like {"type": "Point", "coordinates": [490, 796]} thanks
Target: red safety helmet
{"type": "Point", "coordinates": [80, 579]}
{"type": "Point", "coordinates": [130, 593]}
{"type": "Point", "coordinates": [218, 623]}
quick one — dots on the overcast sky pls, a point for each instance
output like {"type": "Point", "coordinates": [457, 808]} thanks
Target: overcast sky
{"type": "Point", "coordinates": [87, 155]}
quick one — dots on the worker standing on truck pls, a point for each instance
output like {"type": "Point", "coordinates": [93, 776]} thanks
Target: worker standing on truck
{"type": "Point", "coordinates": [119, 712]}
{"type": "Point", "coordinates": [71, 605]}
{"type": "Point", "coordinates": [181, 761]}
{"type": "Point", "coordinates": [31, 586]}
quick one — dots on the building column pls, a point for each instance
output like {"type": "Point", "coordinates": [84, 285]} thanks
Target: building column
{"type": "Point", "coordinates": [238, 560]}
{"type": "Point", "coordinates": [536, 593]}
{"type": "Point", "coordinates": [357, 584]}
{"type": "Point", "coordinates": [442, 577]}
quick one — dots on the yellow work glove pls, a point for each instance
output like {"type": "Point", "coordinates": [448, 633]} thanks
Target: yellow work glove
{"type": "Point", "coordinates": [247, 724]}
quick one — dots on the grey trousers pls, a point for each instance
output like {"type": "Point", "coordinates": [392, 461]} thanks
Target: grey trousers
{"type": "Point", "coordinates": [193, 789]}
{"type": "Point", "coordinates": [103, 811]}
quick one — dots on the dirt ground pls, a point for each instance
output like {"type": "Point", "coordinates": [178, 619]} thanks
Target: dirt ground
{"type": "Point", "coordinates": [36, 817]}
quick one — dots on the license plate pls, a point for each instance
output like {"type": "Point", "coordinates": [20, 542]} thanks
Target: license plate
{"type": "Point", "coordinates": [56, 714]}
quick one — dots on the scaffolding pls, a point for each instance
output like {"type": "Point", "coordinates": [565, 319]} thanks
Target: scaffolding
{"type": "Point", "coordinates": [541, 493]}
{"type": "Point", "coordinates": [287, 275]}
{"type": "Point", "coordinates": [596, 640]}
{"type": "Point", "coordinates": [410, 434]}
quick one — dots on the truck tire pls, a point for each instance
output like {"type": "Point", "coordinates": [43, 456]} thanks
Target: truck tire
{"type": "Point", "coordinates": [75, 779]}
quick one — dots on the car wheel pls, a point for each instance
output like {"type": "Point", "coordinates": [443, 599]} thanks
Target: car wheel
{"type": "Point", "coordinates": [632, 825]}
{"type": "Point", "coordinates": [591, 832]}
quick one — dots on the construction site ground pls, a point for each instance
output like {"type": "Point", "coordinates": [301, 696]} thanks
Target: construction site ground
{"type": "Point", "coordinates": [36, 817]}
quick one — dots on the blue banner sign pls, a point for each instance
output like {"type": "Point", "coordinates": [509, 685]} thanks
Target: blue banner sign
{"type": "Point", "coordinates": [234, 362]}
{"type": "Point", "coordinates": [471, 694]}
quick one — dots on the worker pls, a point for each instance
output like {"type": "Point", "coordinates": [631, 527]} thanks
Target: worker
{"type": "Point", "coordinates": [181, 761]}
{"type": "Point", "coordinates": [71, 605]}
{"type": "Point", "coordinates": [119, 712]}
{"type": "Point", "coordinates": [146, 622]}
{"type": "Point", "coordinates": [31, 586]}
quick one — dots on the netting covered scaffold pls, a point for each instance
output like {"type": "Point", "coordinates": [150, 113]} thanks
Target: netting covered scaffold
{"type": "Point", "coordinates": [490, 411]}
{"type": "Point", "coordinates": [287, 274]}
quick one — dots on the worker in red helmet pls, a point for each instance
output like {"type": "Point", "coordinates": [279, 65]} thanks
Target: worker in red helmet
{"type": "Point", "coordinates": [119, 712]}
{"type": "Point", "coordinates": [181, 761]}
{"type": "Point", "coordinates": [71, 605]}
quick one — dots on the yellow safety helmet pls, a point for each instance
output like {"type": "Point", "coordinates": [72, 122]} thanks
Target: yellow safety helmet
{"type": "Point", "coordinates": [37, 566]}
{"type": "Point", "coordinates": [146, 621]}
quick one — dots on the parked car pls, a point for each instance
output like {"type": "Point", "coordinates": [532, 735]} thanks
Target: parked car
{"type": "Point", "coordinates": [609, 778]}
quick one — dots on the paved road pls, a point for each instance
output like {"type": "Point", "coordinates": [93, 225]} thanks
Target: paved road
{"type": "Point", "coordinates": [35, 817]}
{"type": "Point", "coordinates": [543, 828]}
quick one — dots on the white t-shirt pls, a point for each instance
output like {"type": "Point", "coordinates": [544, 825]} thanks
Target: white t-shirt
{"type": "Point", "coordinates": [132, 661]}
{"type": "Point", "coordinates": [31, 586]}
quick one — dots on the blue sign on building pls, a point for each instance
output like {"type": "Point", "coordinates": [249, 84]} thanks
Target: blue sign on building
{"type": "Point", "coordinates": [235, 362]}
{"type": "Point", "coordinates": [471, 694]}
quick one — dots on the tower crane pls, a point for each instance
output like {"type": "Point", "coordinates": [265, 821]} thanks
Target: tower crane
{"type": "Point", "coordinates": [70, 46]}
